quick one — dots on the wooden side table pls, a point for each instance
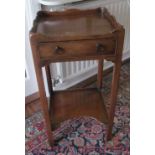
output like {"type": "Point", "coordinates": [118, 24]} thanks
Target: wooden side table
{"type": "Point", "coordinates": [70, 36]}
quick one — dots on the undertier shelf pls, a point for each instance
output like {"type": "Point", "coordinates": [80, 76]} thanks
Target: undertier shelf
{"type": "Point", "coordinates": [75, 103]}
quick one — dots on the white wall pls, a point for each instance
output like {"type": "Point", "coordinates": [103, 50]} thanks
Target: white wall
{"type": "Point", "coordinates": [31, 7]}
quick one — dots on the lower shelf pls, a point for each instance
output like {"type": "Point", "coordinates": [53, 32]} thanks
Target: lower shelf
{"type": "Point", "coordinates": [74, 103]}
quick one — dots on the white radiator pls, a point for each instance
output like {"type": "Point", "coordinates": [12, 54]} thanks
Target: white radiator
{"type": "Point", "coordinates": [68, 74]}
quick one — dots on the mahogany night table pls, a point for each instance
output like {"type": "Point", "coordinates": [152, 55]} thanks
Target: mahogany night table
{"type": "Point", "coordinates": [75, 35]}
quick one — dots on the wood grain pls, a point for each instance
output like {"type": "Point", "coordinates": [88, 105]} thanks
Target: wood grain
{"type": "Point", "coordinates": [58, 51]}
{"type": "Point", "coordinates": [100, 73]}
{"type": "Point", "coordinates": [76, 103]}
{"type": "Point", "coordinates": [76, 35]}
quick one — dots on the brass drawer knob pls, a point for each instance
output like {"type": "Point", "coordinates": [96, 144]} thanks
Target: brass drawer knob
{"type": "Point", "coordinates": [59, 50]}
{"type": "Point", "coordinates": [100, 48]}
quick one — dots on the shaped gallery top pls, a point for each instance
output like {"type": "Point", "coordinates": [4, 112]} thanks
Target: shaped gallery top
{"type": "Point", "coordinates": [73, 24]}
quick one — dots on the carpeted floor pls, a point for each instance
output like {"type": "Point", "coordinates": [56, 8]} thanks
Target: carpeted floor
{"type": "Point", "coordinates": [86, 135]}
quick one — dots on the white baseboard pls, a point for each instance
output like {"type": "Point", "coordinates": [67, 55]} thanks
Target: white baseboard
{"type": "Point", "coordinates": [67, 83]}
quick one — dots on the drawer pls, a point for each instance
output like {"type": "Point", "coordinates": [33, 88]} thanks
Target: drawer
{"type": "Point", "coordinates": [85, 48]}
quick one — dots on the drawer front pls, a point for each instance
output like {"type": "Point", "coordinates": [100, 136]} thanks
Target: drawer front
{"type": "Point", "coordinates": [77, 48]}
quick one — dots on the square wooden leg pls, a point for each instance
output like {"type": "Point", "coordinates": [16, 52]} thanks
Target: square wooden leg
{"type": "Point", "coordinates": [44, 104]}
{"type": "Point", "coordinates": [113, 99]}
{"type": "Point", "coordinates": [100, 73]}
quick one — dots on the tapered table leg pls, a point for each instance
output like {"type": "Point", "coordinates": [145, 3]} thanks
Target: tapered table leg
{"type": "Point", "coordinates": [113, 101]}
{"type": "Point", "coordinates": [100, 73]}
{"type": "Point", "coordinates": [42, 93]}
{"type": "Point", "coordinates": [44, 105]}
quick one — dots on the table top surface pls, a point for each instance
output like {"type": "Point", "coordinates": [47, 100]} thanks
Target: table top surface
{"type": "Point", "coordinates": [73, 24]}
